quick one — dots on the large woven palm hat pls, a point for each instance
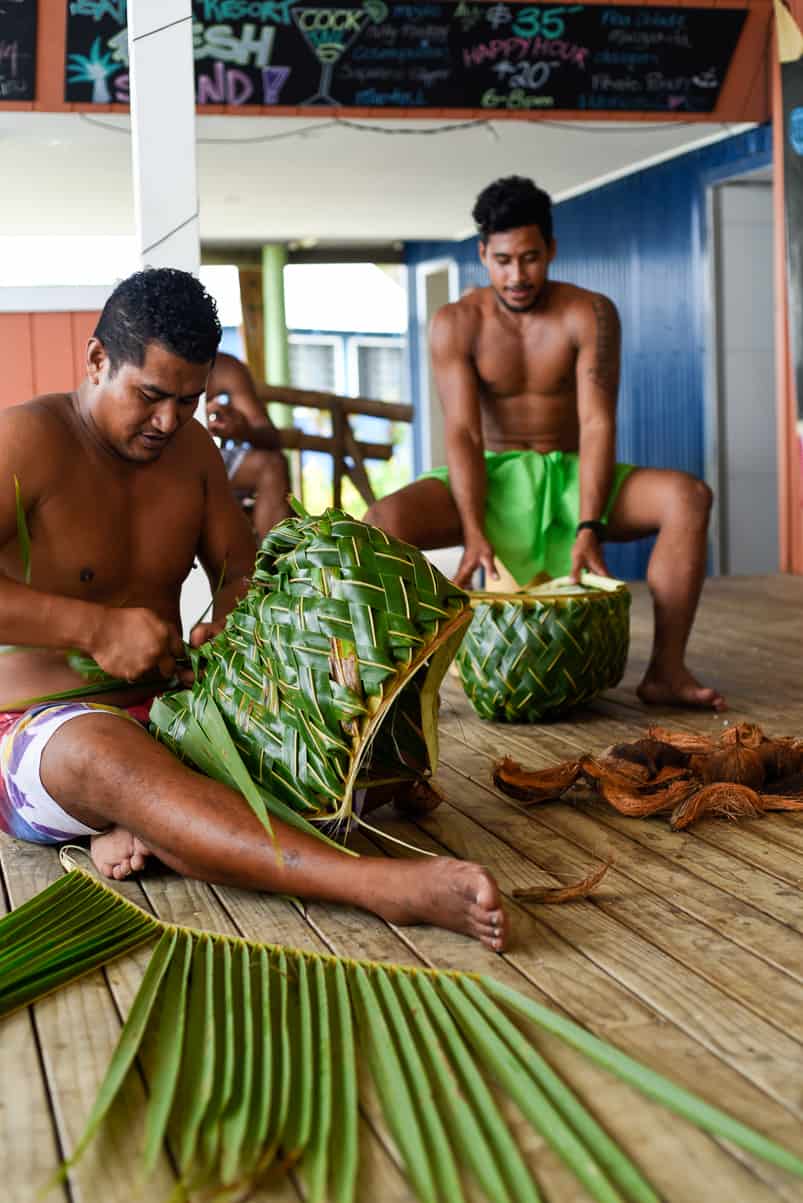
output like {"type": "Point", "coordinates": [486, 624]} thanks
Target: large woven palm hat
{"type": "Point", "coordinates": [327, 671]}
{"type": "Point", "coordinates": [533, 655]}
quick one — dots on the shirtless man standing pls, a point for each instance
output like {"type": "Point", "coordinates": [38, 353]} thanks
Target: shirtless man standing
{"type": "Point", "coordinates": [528, 375]}
{"type": "Point", "coordinates": [121, 490]}
{"type": "Point", "coordinates": [250, 442]}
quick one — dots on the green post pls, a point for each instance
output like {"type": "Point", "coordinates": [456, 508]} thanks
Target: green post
{"type": "Point", "coordinates": [277, 359]}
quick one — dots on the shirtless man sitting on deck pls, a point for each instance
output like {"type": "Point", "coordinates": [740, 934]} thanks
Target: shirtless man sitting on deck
{"type": "Point", "coordinates": [250, 446]}
{"type": "Point", "coordinates": [528, 374]}
{"type": "Point", "coordinates": [121, 490]}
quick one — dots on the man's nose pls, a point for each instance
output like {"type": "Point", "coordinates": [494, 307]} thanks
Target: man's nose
{"type": "Point", "coordinates": [165, 417]}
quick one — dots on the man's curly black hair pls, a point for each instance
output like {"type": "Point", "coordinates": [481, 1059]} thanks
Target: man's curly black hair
{"type": "Point", "coordinates": [159, 305]}
{"type": "Point", "coordinates": [509, 203]}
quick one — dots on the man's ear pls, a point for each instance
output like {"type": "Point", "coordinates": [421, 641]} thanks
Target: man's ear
{"type": "Point", "coordinates": [552, 251]}
{"type": "Point", "coordinates": [96, 359]}
{"type": "Point", "coordinates": [483, 251]}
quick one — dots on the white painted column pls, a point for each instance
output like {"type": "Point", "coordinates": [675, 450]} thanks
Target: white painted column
{"type": "Point", "coordinates": [162, 82]}
{"type": "Point", "coordinates": [163, 133]}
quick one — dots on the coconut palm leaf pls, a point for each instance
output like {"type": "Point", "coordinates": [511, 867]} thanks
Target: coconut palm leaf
{"type": "Point", "coordinates": [250, 1053]}
{"type": "Point", "coordinates": [23, 535]}
{"type": "Point", "coordinates": [327, 672]}
{"type": "Point", "coordinates": [533, 655]}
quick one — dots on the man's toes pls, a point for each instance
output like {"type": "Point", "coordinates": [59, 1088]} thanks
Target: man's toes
{"type": "Point", "coordinates": [122, 869]}
{"type": "Point", "coordinates": [483, 917]}
{"type": "Point", "coordinates": [493, 941]}
{"type": "Point", "coordinates": [138, 857]}
{"type": "Point", "coordinates": [487, 892]}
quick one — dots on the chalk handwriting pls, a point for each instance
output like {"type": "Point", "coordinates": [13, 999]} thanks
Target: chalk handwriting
{"type": "Point", "coordinates": [518, 49]}
{"type": "Point", "coordinates": [517, 99]}
{"type": "Point", "coordinates": [273, 80]}
{"type": "Point", "coordinates": [276, 12]}
{"type": "Point", "coordinates": [549, 22]}
{"type": "Point", "coordinates": [9, 59]}
{"type": "Point", "coordinates": [498, 15]}
{"type": "Point", "coordinates": [98, 9]}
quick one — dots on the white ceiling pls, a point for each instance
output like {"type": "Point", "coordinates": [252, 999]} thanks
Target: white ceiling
{"type": "Point", "coordinates": [264, 179]}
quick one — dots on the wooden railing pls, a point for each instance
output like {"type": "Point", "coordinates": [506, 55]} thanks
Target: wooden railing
{"type": "Point", "coordinates": [347, 452]}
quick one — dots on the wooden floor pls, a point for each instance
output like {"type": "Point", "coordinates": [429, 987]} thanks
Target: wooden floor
{"type": "Point", "coordinates": [689, 957]}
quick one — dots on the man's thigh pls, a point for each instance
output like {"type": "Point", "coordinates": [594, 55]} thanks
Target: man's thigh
{"type": "Point", "coordinates": [423, 513]}
{"type": "Point", "coordinates": [108, 769]}
{"type": "Point", "coordinates": [645, 499]}
{"type": "Point", "coordinates": [250, 469]}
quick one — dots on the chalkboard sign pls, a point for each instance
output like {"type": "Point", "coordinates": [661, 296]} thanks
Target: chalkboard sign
{"type": "Point", "coordinates": [17, 49]}
{"type": "Point", "coordinates": [376, 54]}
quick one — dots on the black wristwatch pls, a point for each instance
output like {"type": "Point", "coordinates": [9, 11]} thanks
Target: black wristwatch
{"type": "Point", "coordinates": [597, 525]}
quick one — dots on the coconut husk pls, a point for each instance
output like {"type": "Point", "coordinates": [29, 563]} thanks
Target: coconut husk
{"type": "Point", "coordinates": [654, 754]}
{"type": "Point", "coordinates": [685, 776]}
{"type": "Point", "coordinates": [541, 786]}
{"type": "Point", "coordinates": [687, 741]}
{"type": "Point", "coordinates": [580, 889]}
{"type": "Point", "coordinates": [723, 798]}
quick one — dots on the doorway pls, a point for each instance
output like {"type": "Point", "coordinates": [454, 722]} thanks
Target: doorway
{"type": "Point", "coordinates": [436, 285]}
{"type": "Point", "coordinates": [743, 452]}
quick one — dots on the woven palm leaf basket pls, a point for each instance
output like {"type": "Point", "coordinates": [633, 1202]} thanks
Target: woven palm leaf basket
{"type": "Point", "coordinates": [327, 672]}
{"type": "Point", "coordinates": [533, 655]}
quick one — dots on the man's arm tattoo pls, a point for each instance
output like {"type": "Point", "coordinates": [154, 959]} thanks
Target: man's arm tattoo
{"type": "Point", "coordinates": [605, 371]}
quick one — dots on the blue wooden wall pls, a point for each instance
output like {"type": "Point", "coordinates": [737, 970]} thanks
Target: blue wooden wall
{"type": "Point", "coordinates": [641, 240]}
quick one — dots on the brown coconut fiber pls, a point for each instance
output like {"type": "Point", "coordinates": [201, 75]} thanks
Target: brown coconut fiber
{"type": "Point", "coordinates": [687, 777]}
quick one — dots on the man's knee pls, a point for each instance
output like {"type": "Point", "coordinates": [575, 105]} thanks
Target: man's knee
{"type": "Point", "coordinates": [697, 497]}
{"type": "Point", "coordinates": [384, 514]}
{"type": "Point", "coordinates": [271, 468]}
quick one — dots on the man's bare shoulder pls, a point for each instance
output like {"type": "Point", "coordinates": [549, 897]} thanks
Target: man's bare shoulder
{"type": "Point", "coordinates": [48, 420]}
{"type": "Point", "coordinates": [576, 301]}
{"type": "Point", "coordinates": [456, 325]}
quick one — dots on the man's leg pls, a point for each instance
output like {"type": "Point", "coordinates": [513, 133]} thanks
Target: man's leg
{"type": "Point", "coordinates": [676, 506]}
{"type": "Point", "coordinates": [423, 513]}
{"type": "Point", "coordinates": [106, 771]}
{"type": "Point", "coordinates": [265, 474]}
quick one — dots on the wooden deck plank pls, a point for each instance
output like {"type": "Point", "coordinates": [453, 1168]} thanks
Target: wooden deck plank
{"type": "Point", "coordinates": [78, 1029]}
{"type": "Point", "coordinates": [671, 1153]}
{"type": "Point", "coordinates": [29, 1150]}
{"type": "Point", "coordinates": [689, 957]}
{"type": "Point", "coordinates": [672, 864]}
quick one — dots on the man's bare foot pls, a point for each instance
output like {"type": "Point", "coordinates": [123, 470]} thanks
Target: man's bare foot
{"type": "Point", "coordinates": [454, 894]}
{"type": "Point", "coordinates": [117, 853]}
{"type": "Point", "coordinates": [678, 689]}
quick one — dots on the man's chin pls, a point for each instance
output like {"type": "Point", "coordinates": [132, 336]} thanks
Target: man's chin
{"type": "Point", "coordinates": [139, 452]}
{"type": "Point", "coordinates": [519, 306]}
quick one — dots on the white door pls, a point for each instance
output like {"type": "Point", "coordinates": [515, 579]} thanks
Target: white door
{"type": "Point", "coordinates": [745, 421]}
{"type": "Point", "coordinates": [436, 285]}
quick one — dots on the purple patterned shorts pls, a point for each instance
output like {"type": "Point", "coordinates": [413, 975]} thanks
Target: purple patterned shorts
{"type": "Point", "coordinates": [27, 811]}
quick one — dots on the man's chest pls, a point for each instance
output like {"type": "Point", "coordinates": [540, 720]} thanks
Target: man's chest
{"type": "Point", "coordinates": [541, 360]}
{"type": "Point", "coordinates": [116, 541]}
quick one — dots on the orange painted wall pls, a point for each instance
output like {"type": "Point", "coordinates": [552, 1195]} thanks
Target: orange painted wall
{"type": "Point", "coordinates": [44, 353]}
{"type": "Point", "coordinates": [745, 95]}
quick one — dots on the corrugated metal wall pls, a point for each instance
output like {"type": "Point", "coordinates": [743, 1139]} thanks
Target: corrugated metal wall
{"type": "Point", "coordinates": [640, 240]}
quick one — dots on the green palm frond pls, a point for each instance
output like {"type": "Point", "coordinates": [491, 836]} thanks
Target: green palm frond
{"type": "Point", "coordinates": [326, 675]}
{"type": "Point", "coordinates": [23, 535]}
{"type": "Point", "coordinates": [533, 655]}
{"type": "Point", "coordinates": [251, 1052]}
